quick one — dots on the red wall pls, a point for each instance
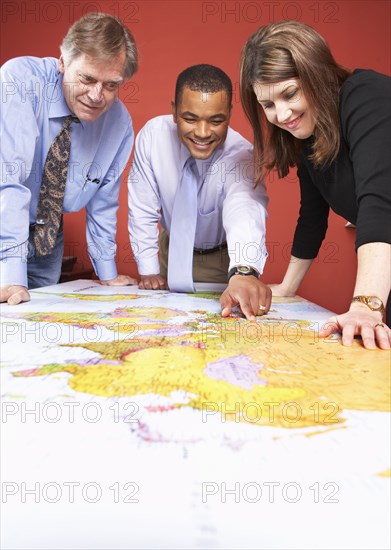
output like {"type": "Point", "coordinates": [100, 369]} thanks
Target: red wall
{"type": "Point", "coordinates": [172, 35]}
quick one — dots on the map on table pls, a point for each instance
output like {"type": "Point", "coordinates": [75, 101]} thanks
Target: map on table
{"type": "Point", "coordinates": [137, 419]}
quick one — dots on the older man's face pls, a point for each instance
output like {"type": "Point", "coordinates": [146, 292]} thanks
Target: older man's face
{"type": "Point", "coordinates": [91, 86]}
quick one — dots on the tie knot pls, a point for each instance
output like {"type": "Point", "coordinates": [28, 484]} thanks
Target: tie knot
{"type": "Point", "coordinates": [190, 164]}
{"type": "Point", "coordinates": [69, 119]}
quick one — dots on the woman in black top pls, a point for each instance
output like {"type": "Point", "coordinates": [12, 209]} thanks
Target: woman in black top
{"type": "Point", "coordinates": [335, 126]}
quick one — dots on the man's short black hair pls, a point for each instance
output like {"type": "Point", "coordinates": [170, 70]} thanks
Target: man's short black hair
{"type": "Point", "coordinates": [203, 78]}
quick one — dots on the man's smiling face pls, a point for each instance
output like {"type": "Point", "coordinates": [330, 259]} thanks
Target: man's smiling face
{"type": "Point", "coordinates": [202, 121]}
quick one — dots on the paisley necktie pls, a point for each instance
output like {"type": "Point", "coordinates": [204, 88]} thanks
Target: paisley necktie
{"type": "Point", "coordinates": [51, 195]}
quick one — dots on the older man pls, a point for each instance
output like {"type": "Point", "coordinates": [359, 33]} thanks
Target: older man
{"type": "Point", "coordinates": [66, 139]}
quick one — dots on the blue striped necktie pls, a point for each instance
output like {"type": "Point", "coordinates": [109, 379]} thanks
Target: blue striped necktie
{"type": "Point", "coordinates": [182, 231]}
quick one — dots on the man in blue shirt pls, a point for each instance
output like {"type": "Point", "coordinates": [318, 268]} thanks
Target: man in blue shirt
{"type": "Point", "coordinates": [97, 55]}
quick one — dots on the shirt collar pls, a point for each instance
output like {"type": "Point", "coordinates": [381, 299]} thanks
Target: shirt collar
{"type": "Point", "coordinates": [202, 165]}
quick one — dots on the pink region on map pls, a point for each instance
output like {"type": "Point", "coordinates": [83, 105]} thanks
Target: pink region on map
{"type": "Point", "coordinates": [237, 370]}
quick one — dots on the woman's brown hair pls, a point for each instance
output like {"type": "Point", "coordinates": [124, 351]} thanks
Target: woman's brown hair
{"type": "Point", "coordinates": [281, 51]}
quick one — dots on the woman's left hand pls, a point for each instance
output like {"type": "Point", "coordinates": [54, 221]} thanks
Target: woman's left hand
{"type": "Point", "coordinates": [359, 320]}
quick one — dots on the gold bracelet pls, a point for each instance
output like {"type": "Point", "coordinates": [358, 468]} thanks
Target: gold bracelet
{"type": "Point", "coordinates": [373, 302]}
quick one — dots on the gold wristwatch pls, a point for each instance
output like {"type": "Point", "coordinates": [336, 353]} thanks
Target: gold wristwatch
{"type": "Point", "coordinates": [373, 302]}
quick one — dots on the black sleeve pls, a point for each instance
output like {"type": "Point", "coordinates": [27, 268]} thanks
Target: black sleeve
{"type": "Point", "coordinates": [312, 223]}
{"type": "Point", "coordinates": [366, 127]}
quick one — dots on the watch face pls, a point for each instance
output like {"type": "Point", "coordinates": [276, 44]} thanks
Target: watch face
{"type": "Point", "coordinates": [375, 302]}
{"type": "Point", "coordinates": [244, 269]}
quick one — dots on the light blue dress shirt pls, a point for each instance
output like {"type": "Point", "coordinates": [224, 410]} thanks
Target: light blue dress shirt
{"type": "Point", "coordinates": [229, 207]}
{"type": "Point", "coordinates": [32, 111]}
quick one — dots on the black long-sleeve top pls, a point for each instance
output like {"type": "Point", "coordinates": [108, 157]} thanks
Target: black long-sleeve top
{"type": "Point", "coordinates": [357, 185]}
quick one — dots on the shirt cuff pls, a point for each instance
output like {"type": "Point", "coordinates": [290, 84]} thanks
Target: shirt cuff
{"type": "Point", "coordinates": [149, 266]}
{"type": "Point", "coordinates": [13, 271]}
{"type": "Point", "coordinates": [105, 269]}
{"type": "Point", "coordinates": [253, 254]}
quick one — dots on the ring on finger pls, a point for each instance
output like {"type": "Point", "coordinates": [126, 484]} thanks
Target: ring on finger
{"type": "Point", "coordinates": [262, 307]}
{"type": "Point", "coordinates": [380, 325]}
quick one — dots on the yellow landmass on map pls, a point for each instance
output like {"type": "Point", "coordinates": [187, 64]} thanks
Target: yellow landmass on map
{"type": "Point", "coordinates": [97, 297]}
{"type": "Point", "coordinates": [123, 320]}
{"type": "Point", "coordinates": [385, 473]}
{"type": "Point", "coordinates": [299, 380]}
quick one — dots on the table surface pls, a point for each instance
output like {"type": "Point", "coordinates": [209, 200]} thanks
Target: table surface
{"type": "Point", "coordinates": [142, 419]}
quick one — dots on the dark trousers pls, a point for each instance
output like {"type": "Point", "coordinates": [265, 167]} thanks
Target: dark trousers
{"type": "Point", "coordinates": [44, 270]}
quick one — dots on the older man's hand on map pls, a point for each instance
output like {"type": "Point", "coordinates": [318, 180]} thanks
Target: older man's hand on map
{"type": "Point", "coordinates": [14, 294]}
{"type": "Point", "coordinates": [249, 293]}
{"type": "Point", "coordinates": [120, 280]}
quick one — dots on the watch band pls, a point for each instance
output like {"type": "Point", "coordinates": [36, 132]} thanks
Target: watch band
{"type": "Point", "coordinates": [373, 302]}
{"type": "Point", "coordinates": [244, 270]}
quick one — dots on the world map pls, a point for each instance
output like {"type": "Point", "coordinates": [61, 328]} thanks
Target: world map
{"type": "Point", "coordinates": [171, 371]}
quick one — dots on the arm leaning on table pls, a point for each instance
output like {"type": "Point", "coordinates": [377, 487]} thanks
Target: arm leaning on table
{"type": "Point", "coordinates": [102, 219]}
{"type": "Point", "coordinates": [373, 279]}
{"type": "Point", "coordinates": [366, 128]}
{"type": "Point", "coordinates": [373, 274]}
{"type": "Point", "coordinates": [19, 130]}
{"type": "Point", "coordinates": [244, 220]}
{"type": "Point", "coordinates": [144, 215]}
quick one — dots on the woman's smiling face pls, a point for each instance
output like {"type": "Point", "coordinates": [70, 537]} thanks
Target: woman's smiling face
{"type": "Point", "coordinates": [286, 106]}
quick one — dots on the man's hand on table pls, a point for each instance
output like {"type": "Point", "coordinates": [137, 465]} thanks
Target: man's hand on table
{"type": "Point", "coordinates": [14, 294]}
{"type": "Point", "coordinates": [153, 282]}
{"type": "Point", "coordinates": [249, 293]}
{"type": "Point", "coordinates": [120, 280]}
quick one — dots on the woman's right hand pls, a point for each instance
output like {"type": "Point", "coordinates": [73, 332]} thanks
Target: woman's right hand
{"type": "Point", "coordinates": [294, 275]}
